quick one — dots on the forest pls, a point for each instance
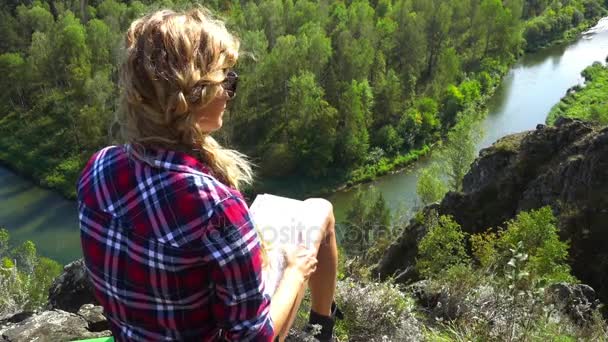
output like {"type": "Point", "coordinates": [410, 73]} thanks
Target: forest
{"type": "Point", "coordinates": [331, 90]}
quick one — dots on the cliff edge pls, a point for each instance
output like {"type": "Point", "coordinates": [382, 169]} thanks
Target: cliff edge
{"type": "Point", "coordinates": [564, 166]}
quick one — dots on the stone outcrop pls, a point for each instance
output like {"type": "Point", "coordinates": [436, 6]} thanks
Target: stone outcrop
{"type": "Point", "coordinates": [564, 166]}
{"type": "Point", "coordinates": [72, 289]}
{"type": "Point", "coordinates": [51, 326]}
{"type": "Point", "coordinates": [579, 301]}
{"type": "Point", "coordinates": [71, 314]}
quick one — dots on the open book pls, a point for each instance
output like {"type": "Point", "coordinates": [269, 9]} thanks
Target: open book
{"type": "Point", "coordinates": [286, 221]}
{"type": "Point", "coordinates": [283, 223]}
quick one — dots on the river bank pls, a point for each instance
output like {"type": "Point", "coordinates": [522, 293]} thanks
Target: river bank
{"type": "Point", "coordinates": [343, 182]}
{"type": "Point", "coordinates": [523, 99]}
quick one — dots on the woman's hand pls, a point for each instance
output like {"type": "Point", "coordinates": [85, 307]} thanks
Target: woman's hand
{"type": "Point", "coordinates": [301, 260]}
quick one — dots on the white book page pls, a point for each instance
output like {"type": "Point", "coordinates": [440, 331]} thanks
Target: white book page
{"type": "Point", "coordinates": [284, 223]}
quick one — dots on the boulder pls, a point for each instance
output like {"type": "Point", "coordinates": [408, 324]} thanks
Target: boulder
{"type": "Point", "coordinates": [95, 318]}
{"type": "Point", "coordinates": [72, 289]}
{"type": "Point", "coordinates": [578, 301]}
{"type": "Point", "coordinates": [51, 326]}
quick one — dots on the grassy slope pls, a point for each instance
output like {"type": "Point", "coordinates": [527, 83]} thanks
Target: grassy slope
{"type": "Point", "coordinates": [589, 102]}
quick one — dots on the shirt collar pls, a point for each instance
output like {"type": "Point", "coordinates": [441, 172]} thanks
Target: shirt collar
{"type": "Point", "coordinates": [169, 159]}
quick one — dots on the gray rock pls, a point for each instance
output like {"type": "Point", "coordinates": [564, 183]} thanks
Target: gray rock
{"type": "Point", "coordinates": [579, 301]}
{"type": "Point", "coordinates": [51, 326]}
{"type": "Point", "coordinates": [94, 317]}
{"type": "Point", "coordinates": [72, 289]}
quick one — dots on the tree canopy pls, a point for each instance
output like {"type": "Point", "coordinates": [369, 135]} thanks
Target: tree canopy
{"type": "Point", "coordinates": [326, 85]}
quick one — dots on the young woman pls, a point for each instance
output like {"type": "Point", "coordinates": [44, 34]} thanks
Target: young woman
{"type": "Point", "coordinates": [167, 238]}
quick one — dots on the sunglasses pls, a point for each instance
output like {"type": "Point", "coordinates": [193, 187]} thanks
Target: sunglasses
{"type": "Point", "coordinates": [230, 83]}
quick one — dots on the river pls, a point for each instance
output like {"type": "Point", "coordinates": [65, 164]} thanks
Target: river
{"type": "Point", "coordinates": [528, 92]}
{"type": "Point", "coordinates": [522, 101]}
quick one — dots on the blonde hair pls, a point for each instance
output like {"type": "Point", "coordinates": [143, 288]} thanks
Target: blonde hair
{"type": "Point", "coordinates": [173, 67]}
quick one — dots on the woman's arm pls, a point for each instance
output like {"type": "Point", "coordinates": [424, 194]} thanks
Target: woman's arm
{"type": "Point", "coordinates": [240, 307]}
{"type": "Point", "coordinates": [301, 263]}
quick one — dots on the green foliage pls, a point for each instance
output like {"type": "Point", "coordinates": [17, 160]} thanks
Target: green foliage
{"type": "Point", "coordinates": [530, 244]}
{"type": "Point", "coordinates": [389, 137]}
{"type": "Point", "coordinates": [461, 149]}
{"type": "Point", "coordinates": [483, 249]}
{"type": "Point", "coordinates": [384, 165]}
{"type": "Point", "coordinates": [430, 188]}
{"type": "Point", "coordinates": [442, 247]}
{"type": "Point", "coordinates": [535, 235]}
{"type": "Point", "coordinates": [502, 295]}
{"type": "Point", "coordinates": [456, 156]}
{"type": "Point", "coordinates": [25, 256]}
{"type": "Point", "coordinates": [368, 223]}
{"type": "Point", "coordinates": [586, 103]}
{"type": "Point", "coordinates": [312, 124]}
{"type": "Point", "coordinates": [557, 21]}
{"type": "Point", "coordinates": [356, 104]}
{"type": "Point", "coordinates": [25, 277]}
{"type": "Point", "coordinates": [373, 310]}
{"type": "Point", "coordinates": [333, 81]}
{"type": "Point", "coordinates": [4, 237]}
{"type": "Point", "coordinates": [41, 279]}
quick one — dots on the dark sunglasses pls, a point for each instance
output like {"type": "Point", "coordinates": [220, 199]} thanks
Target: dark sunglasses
{"type": "Point", "coordinates": [230, 83]}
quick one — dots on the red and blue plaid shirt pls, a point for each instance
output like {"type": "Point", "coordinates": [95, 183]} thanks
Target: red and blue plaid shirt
{"type": "Point", "coordinates": [171, 251]}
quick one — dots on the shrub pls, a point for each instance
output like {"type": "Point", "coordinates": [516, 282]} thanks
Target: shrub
{"type": "Point", "coordinates": [25, 277]}
{"type": "Point", "coordinates": [376, 312]}
{"type": "Point", "coordinates": [536, 233]}
{"type": "Point", "coordinates": [442, 247]}
{"type": "Point", "coordinates": [483, 248]}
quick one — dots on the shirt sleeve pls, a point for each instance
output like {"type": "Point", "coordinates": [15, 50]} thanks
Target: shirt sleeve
{"type": "Point", "coordinates": [240, 306]}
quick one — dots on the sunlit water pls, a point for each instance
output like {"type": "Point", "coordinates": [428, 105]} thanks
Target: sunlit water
{"type": "Point", "coordinates": [32, 213]}
{"type": "Point", "coordinates": [523, 100]}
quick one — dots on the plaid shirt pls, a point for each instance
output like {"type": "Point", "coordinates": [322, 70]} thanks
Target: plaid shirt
{"type": "Point", "coordinates": [170, 250]}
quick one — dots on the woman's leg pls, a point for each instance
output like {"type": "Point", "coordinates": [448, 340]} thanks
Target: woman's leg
{"type": "Point", "coordinates": [322, 283]}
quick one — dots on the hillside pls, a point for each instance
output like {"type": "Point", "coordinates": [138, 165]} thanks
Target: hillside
{"type": "Point", "coordinates": [563, 166]}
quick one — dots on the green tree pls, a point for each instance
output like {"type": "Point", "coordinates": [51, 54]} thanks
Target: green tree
{"type": "Point", "coordinates": [113, 14]}
{"type": "Point", "coordinates": [42, 277]}
{"type": "Point", "coordinates": [34, 19]}
{"type": "Point", "coordinates": [368, 219]}
{"type": "Point", "coordinates": [273, 22]}
{"type": "Point", "coordinates": [25, 256]}
{"type": "Point", "coordinates": [437, 30]}
{"type": "Point", "coordinates": [442, 248]}
{"type": "Point", "coordinates": [12, 67]}
{"type": "Point", "coordinates": [411, 45]}
{"type": "Point", "coordinates": [355, 111]}
{"type": "Point", "coordinates": [420, 123]}
{"type": "Point", "coordinates": [100, 41]}
{"type": "Point", "coordinates": [72, 53]}
{"type": "Point", "coordinates": [388, 96]}
{"type": "Point", "coordinates": [430, 187]}
{"type": "Point", "coordinates": [10, 40]}
{"type": "Point", "coordinates": [4, 237]}
{"type": "Point", "coordinates": [537, 233]}
{"type": "Point", "coordinates": [388, 138]}
{"type": "Point", "coordinates": [460, 151]}
{"type": "Point", "coordinates": [312, 128]}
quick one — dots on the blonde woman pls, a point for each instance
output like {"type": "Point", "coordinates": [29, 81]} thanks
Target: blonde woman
{"type": "Point", "coordinates": [167, 238]}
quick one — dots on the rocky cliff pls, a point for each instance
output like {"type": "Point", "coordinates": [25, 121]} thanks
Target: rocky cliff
{"type": "Point", "coordinates": [564, 166]}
